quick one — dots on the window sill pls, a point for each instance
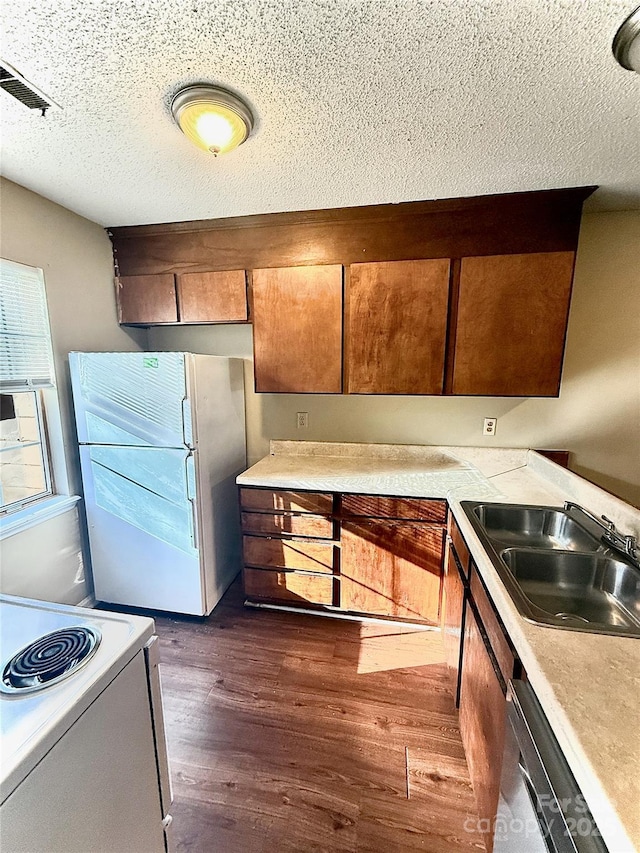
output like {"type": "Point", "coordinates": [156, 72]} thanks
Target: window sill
{"type": "Point", "coordinates": [24, 519]}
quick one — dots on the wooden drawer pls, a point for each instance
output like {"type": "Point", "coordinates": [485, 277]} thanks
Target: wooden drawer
{"type": "Point", "coordinates": [502, 651]}
{"type": "Point", "coordinates": [413, 509]}
{"type": "Point", "coordinates": [459, 546]}
{"type": "Point", "coordinates": [266, 500]}
{"type": "Point", "coordinates": [288, 554]}
{"type": "Point", "coordinates": [292, 587]}
{"type": "Point", "coordinates": [284, 524]}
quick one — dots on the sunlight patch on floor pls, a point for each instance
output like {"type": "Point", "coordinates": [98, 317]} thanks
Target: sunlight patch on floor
{"type": "Point", "coordinates": [399, 650]}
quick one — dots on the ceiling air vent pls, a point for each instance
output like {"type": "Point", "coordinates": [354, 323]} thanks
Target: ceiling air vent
{"type": "Point", "coordinates": [18, 87]}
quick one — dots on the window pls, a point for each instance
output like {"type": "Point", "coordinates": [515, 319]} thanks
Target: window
{"type": "Point", "coordinates": [26, 371]}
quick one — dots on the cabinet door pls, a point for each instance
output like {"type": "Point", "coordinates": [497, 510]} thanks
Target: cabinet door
{"type": "Point", "coordinates": [452, 618]}
{"type": "Point", "coordinates": [511, 324]}
{"type": "Point", "coordinates": [297, 329]}
{"type": "Point", "coordinates": [213, 297]}
{"type": "Point", "coordinates": [397, 327]}
{"type": "Point", "coordinates": [145, 299]}
{"type": "Point", "coordinates": [391, 568]}
{"type": "Point", "coordinates": [483, 711]}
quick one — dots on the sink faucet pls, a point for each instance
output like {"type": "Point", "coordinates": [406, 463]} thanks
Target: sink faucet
{"type": "Point", "coordinates": [626, 545]}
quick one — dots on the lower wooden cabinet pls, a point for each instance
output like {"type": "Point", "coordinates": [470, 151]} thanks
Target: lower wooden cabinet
{"type": "Point", "coordinates": [408, 509]}
{"type": "Point", "coordinates": [287, 524]}
{"type": "Point", "coordinates": [481, 661]}
{"type": "Point", "coordinates": [483, 711]}
{"type": "Point", "coordinates": [289, 587]}
{"type": "Point", "coordinates": [288, 547]}
{"type": "Point", "coordinates": [391, 568]}
{"type": "Point", "coordinates": [452, 617]}
{"type": "Point", "coordinates": [300, 554]}
{"type": "Point", "coordinates": [281, 500]}
{"type": "Point", "coordinates": [361, 557]}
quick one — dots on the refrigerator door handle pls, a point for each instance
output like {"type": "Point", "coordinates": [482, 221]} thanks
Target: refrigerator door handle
{"type": "Point", "coordinates": [192, 494]}
{"type": "Point", "coordinates": [187, 423]}
{"type": "Point", "coordinates": [194, 525]}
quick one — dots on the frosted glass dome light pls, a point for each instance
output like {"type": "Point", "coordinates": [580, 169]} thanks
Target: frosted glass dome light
{"type": "Point", "coordinates": [626, 44]}
{"type": "Point", "coordinates": [215, 120]}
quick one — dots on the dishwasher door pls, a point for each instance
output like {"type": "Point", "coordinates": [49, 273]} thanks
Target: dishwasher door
{"type": "Point", "coordinates": [541, 808]}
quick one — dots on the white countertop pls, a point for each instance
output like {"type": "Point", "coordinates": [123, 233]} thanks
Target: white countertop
{"type": "Point", "coordinates": [587, 684]}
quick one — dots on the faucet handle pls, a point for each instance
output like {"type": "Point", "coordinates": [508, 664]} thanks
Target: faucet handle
{"type": "Point", "coordinates": [610, 525]}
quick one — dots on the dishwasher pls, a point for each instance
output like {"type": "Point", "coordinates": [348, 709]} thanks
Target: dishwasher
{"type": "Point", "coordinates": [540, 808]}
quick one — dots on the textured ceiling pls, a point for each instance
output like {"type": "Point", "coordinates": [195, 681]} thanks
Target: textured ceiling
{"type": "Point", "coordinates": [357, 102]}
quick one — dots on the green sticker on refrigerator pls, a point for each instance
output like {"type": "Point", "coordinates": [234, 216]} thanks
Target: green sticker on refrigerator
{"type": "Point", "coordinates": [149, 362]}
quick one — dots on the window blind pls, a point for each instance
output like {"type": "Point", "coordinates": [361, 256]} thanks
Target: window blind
{"type": "Point", "coordinates": [26, 358]}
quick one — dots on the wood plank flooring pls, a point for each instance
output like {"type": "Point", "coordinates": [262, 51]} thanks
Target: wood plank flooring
{"type": "Point", "coordinates": [301, 734]}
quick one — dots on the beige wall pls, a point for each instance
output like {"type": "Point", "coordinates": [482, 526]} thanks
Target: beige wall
{"type": "Point", "coordinates": [46, 562]}
{"type": "Point", "coordinates": [76, 257]}
{"type": "Point", "coordinates": [597, 415]}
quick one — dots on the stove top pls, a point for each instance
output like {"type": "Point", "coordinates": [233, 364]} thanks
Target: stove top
{"type": "Point", "coordinates": [32, 718]}
{"type": "Point", "coordinates": [50, 659]}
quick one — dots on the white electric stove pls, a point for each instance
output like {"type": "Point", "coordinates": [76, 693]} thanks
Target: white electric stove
{"type": "Point", "coordinates": [81, 712]}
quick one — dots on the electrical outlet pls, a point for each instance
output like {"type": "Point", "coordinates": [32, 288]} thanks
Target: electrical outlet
{"type": "Point", "coordinates": [490, 426]}
{"type": "Point", "coordinates": [302, 420]}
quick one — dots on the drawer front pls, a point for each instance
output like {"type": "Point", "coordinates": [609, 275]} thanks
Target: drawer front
{"type": "Point", "coordinates": [500, 646]}
{"type": "Point", "coordinates": [283, 524]}
{"type": "Point", "coordinates": [460, 546]}
{"type": "Point", "coordinates": [266, 500]}
{"type": "Point", "coordinates": [374, 506]}
{"type": "Point", "coordinates": [292, 587]}
{"type": "Point", "coordinates": [288, 554]}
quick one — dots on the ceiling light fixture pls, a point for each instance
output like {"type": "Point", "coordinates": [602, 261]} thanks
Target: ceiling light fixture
{"type": "Point", "coordinates": [212, 118]}
{"type": "Point", "coordinates": [626, 44]}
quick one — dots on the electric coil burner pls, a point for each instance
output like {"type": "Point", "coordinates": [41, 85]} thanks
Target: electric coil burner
{"type": "Point", "coordinates": [50, 659]}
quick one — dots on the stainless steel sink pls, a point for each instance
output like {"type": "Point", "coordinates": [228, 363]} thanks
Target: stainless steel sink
{"type": "Point", "coordinates": [534, 527]}
{"type": "Point", "coordinates": [559, 571]}
{"type": "Point", "coordinates": [583, 591]}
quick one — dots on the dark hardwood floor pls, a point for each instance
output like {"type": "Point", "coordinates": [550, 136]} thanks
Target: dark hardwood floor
{"type": "Point", "coordinates": [298, 733]}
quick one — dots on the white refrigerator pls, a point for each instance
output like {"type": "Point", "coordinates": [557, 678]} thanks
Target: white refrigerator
{"type": "Point", "coordinates": [162, 439]}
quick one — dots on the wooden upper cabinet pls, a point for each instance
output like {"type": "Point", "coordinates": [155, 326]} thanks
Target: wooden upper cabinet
{"type": "Point", "coordinates": [511, 324]}
{"type": "Point", "coordinates": [396, 327]}
{"type": "Point", "coordinates": [297, 329]}
{"type": "Point", "coordinates": [146, 299]}
{"type": "Point", "coordinates": [213, 297]}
